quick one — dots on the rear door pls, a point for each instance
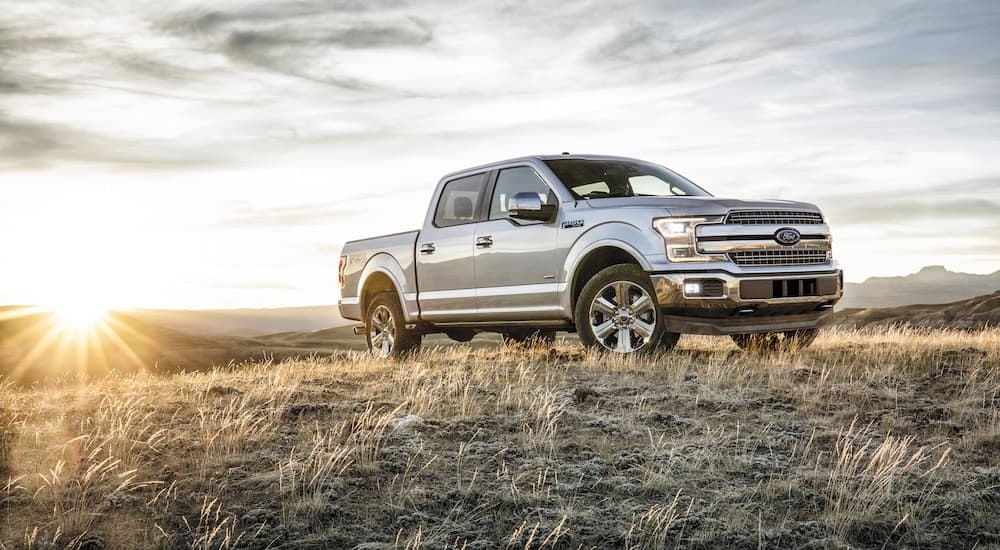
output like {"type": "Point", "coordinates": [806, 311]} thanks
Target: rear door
{"type": "Point", "coordinates": [516, 261]}
{"type": "Point", "coordinates": [446, 277]}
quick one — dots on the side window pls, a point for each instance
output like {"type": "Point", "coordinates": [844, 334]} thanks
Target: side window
{"type": "Point", "coordinates": [511, 181]}
{"type": "Point", "coordinates": [460, 200]}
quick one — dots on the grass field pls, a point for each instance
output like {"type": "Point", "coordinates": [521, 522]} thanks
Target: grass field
{"type": "Point", "coordinates": [878, 439]}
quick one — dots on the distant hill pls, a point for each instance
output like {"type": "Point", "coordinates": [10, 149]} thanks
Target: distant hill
{"type": "Point", "coordinates": [974, 313]}
{"type": "Point", "coordinates": [244, 322]}
{"type": "Point", "coordinates": [931, 285]}
{"type": "Point", "coordinates": [34, 346]}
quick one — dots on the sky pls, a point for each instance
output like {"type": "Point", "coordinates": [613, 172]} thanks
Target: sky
{"type": "Point", "coordinates": [196, 154]}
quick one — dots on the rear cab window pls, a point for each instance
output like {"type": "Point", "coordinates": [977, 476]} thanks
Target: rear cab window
{"type": "Point", "coordinates": [461, 201]}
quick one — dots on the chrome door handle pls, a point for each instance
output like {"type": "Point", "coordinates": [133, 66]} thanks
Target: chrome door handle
{"type": "Point", "coordinates": [427, 248]}
{"type": "Point", "coordinates": [484, 242]}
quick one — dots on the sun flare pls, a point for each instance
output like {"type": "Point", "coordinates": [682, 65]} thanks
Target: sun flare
{"type": "Point", "coordinates": [79, 316]}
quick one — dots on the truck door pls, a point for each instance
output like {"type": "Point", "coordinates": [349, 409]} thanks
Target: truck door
{"type": "Point", "coordinates": [516, 260]}
{"type": "Point", "coordinates": [446, 279]}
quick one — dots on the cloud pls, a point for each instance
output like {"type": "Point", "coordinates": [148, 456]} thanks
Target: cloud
{"type": "Point", "coordinates": [858, 210]}
{"type": "Point", "coordinates": [25, 140]}
{"type": "Point", "coordinates": [937, 207]}
{"type": "Point", "coordinates": [289, 216]}
{"type": "Point", "coordinates": [302, 40]}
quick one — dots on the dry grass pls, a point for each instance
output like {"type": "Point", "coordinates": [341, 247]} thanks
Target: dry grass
{"type": "Point", "coordinates": [868, 439]}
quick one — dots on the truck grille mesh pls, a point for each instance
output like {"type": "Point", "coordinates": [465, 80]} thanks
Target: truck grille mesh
{"type": "Point", "coordinates": [779, 257]}
{"type": "Point", "coordinates": [774, 217]}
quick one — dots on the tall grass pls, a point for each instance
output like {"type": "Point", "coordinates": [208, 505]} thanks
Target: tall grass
{"type": "Point", "coordinates": [868, 474]}
{"type": "Point", "coordinates": [863, 439]}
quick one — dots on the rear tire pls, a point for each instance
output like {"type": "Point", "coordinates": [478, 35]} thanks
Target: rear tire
{"type": "Point", "coordinates": [791, 340]}
{"type": "Point", "coordinates": [460, 335]}
{"type": "Point", "coordinates": [385, 328]}
{"type": "Point", "coordinates": [617, 311]}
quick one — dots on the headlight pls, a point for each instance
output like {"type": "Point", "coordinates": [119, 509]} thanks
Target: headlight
{"type": "Point", "coordinates": [678, 236]}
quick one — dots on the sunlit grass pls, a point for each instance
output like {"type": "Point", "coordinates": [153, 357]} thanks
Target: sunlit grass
{"type": "Point", "coordinates": [868, 439]}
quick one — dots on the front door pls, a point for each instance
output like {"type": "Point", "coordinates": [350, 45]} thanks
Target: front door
{"type": "Point", "coordinates": [516, 261]}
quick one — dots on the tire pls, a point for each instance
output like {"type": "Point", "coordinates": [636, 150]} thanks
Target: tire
{"type": "Point", "coordinates": [668, 341]}
{"type": "Point", "coordinates": [460, 335]}
{"type": "Point", "coordinates": [528, 337]}
{"type": "Point", "coordinates": [617, 311]}
{"type": "Point", "coordinates": [385, 328]}
{"type": "Point", "coordinates": [792, 340]}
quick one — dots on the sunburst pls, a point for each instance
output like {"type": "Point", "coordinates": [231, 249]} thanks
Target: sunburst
{"type": "Point", "coordinates": [79, 316]}
{"type": "Point", "coordinates": [73, 339]}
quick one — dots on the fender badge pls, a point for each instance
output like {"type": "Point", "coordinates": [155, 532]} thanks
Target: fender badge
{"type": "Point", "coordinates": [572, 223]}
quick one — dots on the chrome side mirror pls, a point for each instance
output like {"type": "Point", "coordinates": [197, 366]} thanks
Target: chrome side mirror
{"type": "Point", "coordinates": [529, 206]}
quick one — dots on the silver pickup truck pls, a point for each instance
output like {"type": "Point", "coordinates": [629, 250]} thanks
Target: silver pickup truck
{"type": "Point", "coordinates": [626, 253]}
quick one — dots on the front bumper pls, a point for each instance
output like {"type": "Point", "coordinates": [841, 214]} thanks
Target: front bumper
{"type": "Point", "coordinates": [748, 303]}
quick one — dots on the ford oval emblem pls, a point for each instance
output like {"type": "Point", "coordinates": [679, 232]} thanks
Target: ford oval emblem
{"type": "Point", "coordinates": [787, 236]}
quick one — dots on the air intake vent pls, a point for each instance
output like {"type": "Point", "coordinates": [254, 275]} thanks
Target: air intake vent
{"type": "Point", "coordinates": [774, 217]}
{"type": "Point", "coordinates": [779, 257]}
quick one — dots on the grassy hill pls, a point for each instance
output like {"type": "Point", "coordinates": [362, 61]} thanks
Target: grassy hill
{"type": "Point", "coordinates": [874, 439]}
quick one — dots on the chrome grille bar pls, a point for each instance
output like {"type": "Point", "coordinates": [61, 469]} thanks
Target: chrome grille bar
{"type": "Point", "coordinates": [774, 217]}
{"type": "Point", "coordinates": [793, 256]}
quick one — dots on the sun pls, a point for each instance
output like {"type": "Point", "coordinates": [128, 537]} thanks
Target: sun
{"type": "Point", "coordinates": [79, 315]}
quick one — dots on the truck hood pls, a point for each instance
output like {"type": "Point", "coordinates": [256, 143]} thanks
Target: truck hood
{"type": "Point", "coordinates": [699, 206]}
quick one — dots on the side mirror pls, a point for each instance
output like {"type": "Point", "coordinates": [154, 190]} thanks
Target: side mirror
{"type": "Point", "coordinates": [529, 206]}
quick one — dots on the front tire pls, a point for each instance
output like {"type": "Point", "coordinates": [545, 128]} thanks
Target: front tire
{"type": "Point", "coordinates": [617, 311]}
{"type": "Point", "coordinates": [385, 328]}
{"type": "Point", "coordinates": [792, 340]}
{"type": "Point", "coordinates": [668, 341]}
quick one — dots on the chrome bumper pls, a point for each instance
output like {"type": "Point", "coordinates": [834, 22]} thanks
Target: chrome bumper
{"type": "Point", "coordinates": [749, 303]}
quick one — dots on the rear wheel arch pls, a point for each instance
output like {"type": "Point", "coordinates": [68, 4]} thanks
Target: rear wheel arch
{"type": "Point", "coordinates": [375, 284]}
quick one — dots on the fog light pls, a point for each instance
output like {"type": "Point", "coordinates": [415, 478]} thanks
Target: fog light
{"type": "Point", "coordinates": [692, 289]}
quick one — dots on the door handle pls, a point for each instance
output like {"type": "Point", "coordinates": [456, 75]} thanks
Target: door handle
{"type": "Point", "coordinates": [427, 248]}
{"type": "Point", "coordinates": [484, 242]}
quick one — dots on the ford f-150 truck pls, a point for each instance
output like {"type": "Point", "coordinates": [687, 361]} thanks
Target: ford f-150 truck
{"type": "Point", "coordinates": [626, 253]}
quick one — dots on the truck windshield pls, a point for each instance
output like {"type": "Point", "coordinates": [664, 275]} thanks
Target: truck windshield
{"type": "Point", "coordinates": [597, 179]}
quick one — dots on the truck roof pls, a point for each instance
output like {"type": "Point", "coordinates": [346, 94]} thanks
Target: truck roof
{"type": "Point", "coordinates": [536, 158]}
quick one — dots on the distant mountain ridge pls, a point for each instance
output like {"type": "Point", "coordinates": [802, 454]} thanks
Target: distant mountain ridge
{"type": "Point", "coordinates": [244, 322]}
{"type": "Point", "coordinates": [930, 285]}
{"type": "Point", "coordinates": [973, 314]}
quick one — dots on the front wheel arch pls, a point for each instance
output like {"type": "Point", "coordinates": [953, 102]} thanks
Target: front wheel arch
{"type": "Point", "coordinates": [593, 263]}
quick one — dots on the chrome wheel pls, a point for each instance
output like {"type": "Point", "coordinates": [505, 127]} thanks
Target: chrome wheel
{"type": "Point", "coordinates": [623, 317]}
{"type": "Point", "coordinates": [385, 329]}
{"type": "Point", "coordinates": [382, 332]}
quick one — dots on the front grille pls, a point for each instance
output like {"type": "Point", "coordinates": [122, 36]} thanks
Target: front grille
{"type": "Point", "coordinates": [774, 217]}
{"type": "Point", "coordinates": [779, 257]}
